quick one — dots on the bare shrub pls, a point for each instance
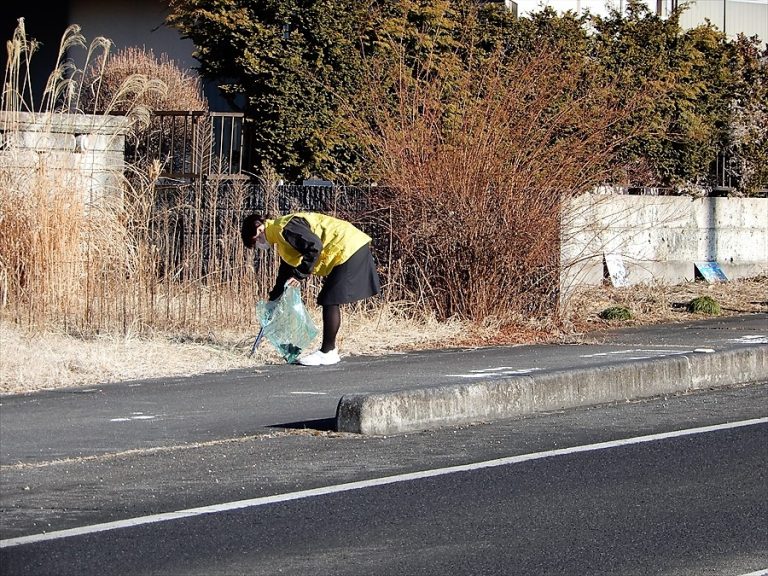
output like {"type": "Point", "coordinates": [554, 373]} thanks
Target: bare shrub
{"type": "Point", "coordinates": [475, 176]}
{"type": "Point", "coordinates": [104, 81]}
{"type": "Point", "coordinates": [168, 136]}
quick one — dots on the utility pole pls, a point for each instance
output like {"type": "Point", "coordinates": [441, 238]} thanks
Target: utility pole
{"type": "Point", "coordinates": [725, 4]}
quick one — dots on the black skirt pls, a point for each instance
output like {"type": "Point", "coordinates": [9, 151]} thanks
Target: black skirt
{"type": "Point", "coordinates": [356, 279]}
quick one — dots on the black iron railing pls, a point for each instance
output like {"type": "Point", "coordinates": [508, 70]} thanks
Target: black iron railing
{"type": "Point", "coordinates": [191, 145]}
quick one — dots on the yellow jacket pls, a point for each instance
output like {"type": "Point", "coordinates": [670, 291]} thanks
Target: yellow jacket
{"type": "Point", "coordinates": [339, 238]}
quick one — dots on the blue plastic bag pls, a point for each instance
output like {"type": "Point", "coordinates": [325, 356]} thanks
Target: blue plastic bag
{"type": "Point", "coordinates": [286, 323]}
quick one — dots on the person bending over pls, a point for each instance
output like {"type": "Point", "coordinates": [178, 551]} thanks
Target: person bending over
{"type": "Point", "coordinates": [315, 243]}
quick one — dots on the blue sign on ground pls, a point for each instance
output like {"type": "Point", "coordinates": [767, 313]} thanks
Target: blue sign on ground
{"type": "Point", "coordinates": [711, 271]}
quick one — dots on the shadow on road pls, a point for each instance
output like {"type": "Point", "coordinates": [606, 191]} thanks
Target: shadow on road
{"type": "Point", "coordinates": [321, 424]}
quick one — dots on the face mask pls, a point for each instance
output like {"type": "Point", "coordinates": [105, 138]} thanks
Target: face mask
{"type": "Point", "coordinates": [262, 245]}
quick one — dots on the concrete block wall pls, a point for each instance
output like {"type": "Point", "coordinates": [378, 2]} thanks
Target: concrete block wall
{"type": "Point", "coordinates": [660, 238]}
{"type": "Point", "coordinates": [81, 151]}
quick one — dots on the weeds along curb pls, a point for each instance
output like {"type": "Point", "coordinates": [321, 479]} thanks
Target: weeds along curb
{"type": "Point", "coordinates": [483, 401]}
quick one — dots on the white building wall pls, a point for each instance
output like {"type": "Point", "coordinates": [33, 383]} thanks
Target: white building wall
{"type": "Point", "coordinates": [748, 17]}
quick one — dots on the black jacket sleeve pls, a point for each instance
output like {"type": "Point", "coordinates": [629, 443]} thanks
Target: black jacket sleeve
{"type": "Point", "coordinates": [300, 236]}
{"type": "Point", "coordinates": [284, 273]}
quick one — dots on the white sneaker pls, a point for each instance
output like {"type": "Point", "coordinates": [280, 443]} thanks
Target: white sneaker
{"type": "Point", "coordinates": [320, 358]}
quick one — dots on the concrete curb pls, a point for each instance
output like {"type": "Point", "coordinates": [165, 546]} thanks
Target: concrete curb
{"type": "Point", "coordinates": [511, 396]}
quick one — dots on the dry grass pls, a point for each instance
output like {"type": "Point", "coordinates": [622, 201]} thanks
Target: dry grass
{"type": "Point", "coordinates": [666, 303]}
{"type": "Point", "coordinates": [33, 361]}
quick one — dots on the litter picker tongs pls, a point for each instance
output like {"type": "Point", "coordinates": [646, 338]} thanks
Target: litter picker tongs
{"type": "Point", "coordinates": [257, 342]}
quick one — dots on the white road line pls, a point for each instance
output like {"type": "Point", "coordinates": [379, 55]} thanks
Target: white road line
{"type": "Point", "coordinates": [253, 502]}
{"type": "Point", "coordinates": [763, 572]}
{"type": "Point", "coordinates": [494, 374]}
{"type": "Point", "coordinates": [497, 368]}
{"type": "Point", "coordinates": [133, 416]}
{"type": "Point", "coordinates": [655, 351]}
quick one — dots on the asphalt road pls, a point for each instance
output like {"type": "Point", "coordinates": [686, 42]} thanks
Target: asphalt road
{"type": "Point", "coordinates": [673, 486]}
{"type": "Point", "coordinates": [176, 411]}
{"type": "Point", "coordinates": [242, 473]}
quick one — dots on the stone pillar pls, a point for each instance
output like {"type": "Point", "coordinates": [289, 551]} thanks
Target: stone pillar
{"type": "Point", "coordinates": [84, 151]}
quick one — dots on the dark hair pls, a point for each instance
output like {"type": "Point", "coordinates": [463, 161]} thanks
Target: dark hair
{"type": "Point", "coordinates": [249, 226]}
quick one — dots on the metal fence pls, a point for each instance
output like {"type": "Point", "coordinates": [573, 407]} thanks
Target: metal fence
{"type": "Point", "coordinates": [192, 145]}
{"type": "Point", "coordinates": [203, 190]}
{"type": "Point", "coordinates": [195, 226]}
{"type": "Point", "coordinates": [202, 154]}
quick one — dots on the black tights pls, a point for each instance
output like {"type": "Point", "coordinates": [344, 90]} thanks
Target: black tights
{"type": "Point", "coordinates": [331, 324]}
